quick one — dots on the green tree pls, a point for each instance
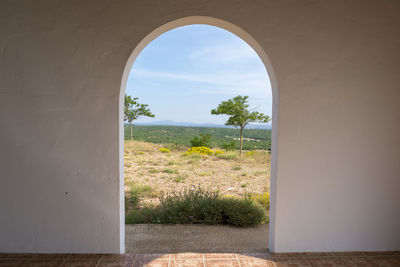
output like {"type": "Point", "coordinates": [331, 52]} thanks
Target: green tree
{"type": "Point", "coordinates": [133, 110]}
{"type": "Point", "coordinates": [240, 114]}
{"type": "Point", "coordinates": [203, 140]}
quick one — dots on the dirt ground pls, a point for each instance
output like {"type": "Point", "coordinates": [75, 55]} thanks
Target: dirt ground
{"type": "Point", "coordinates": [160, 173]}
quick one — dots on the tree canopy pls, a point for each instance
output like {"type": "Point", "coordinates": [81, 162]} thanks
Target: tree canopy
{"type": "Point", "coordinates": [240, 114]}
{"type": "Point", "coordinates": [133, 110]}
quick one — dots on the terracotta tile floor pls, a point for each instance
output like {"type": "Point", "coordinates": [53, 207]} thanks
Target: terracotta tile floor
{"type": "Point", "coordinates": [206, 259]}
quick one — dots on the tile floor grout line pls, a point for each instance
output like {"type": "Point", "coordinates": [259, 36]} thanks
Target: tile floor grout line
{"type": "Point", "coordinates": [98, 261]}
{"type": "Point", "coordinates": [237, 259]}
{"type": "Point", "coordinates": [372, 260]}
{"type": "Point", "coordinates": [134, 260]}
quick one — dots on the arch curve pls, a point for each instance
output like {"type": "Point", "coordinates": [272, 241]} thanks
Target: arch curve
{"type": "Point", "coordinates": [241, 33]}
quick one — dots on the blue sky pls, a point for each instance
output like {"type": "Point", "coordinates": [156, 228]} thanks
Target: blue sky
{"type": "Point", "coordinates": [186, 72]}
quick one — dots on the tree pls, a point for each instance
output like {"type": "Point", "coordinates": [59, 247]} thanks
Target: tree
{"type": "Point", "coordinates": [240, 114]}
{"type": "Point", "coordinates": [203, 140]}
{"type": "Point", "coordinates": [133, 110]}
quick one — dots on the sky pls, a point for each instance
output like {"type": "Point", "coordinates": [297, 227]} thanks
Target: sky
{"type": "Point", "coordinates": [187, 71]}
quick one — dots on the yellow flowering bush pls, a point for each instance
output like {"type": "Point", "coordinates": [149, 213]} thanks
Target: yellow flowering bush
{"type": "Point", "coordinates": [164, 150]}
{"type": "Point", "coordinates": [202, 150]}
{"type": "Point", "coordinates": [218, 152]}
{"type": "Point", "coordinates": [262, 199]}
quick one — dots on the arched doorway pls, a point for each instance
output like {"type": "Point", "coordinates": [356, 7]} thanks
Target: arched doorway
{"type": "Point", "coordinates": [275, 100]}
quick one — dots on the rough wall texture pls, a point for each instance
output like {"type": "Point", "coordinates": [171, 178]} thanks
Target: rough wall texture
{"type": "Point", "coordinates": [336, 63]}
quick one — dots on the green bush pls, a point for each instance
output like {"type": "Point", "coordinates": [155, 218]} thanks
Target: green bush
{"type": "Point", "coordinates": [131, 201]}
{"type": "Point", "coordinates": [229, 146]}
{"type": "Point", "coordinates": [202, 140]}
{"type": "Point", "coordinates": [198, 206]}
{"type": "Point", "coordinates": [136, 191]}
{"type": "Point", "coordinates": [263, 200]}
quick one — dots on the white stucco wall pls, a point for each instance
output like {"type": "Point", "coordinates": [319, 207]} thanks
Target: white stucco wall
{"type": "Point", "coordinates": [336, 65]}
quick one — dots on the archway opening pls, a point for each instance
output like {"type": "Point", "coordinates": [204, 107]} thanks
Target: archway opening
{"type": "Point", "coordinates": [250, 41]}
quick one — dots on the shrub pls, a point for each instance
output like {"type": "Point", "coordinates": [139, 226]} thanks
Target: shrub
{"type": "Point", "coordinates": [263, 200]}
{"type": "Point", "coordinates": [135, 192]}
{"type": "Point", "coordinates": [202, 150]}
{"type": "Point", "coordinates": [164, 150]}
{"type": "Point", "coordinates": [236, 168]}
{"type": "Point", "coordinates": [202, 140]}
{"type": "Point", "coordinates": [198, 206]}
{"type": "Point", "coordinates": [131, 201]}
{"type": "Point", "coordinates": [229, 146]}
{"type": "Point", "coordinates": [218, 152]}
{"type": "Point", "coordinates": [153, 171]}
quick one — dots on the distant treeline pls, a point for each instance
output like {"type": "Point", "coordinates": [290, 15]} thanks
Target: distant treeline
{"type": "Point", "coordinates": [253, 138]}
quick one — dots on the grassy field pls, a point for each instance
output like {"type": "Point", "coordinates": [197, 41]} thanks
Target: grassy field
{"type": "Point", "coordinates": [178, 135]}
{"type": "Point", "coordinates": [152, 173]}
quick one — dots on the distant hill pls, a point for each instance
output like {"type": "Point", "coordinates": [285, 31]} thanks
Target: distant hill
{"type": "Point", "coordinates": [263, 126]}
{"type": "Point", "coordinates": [181, 135]}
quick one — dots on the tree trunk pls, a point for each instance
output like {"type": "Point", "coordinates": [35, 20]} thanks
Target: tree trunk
{"type": "Point", "coordinates": [241, 140]}
{"type": "Point", "coordinates": [130, 126]}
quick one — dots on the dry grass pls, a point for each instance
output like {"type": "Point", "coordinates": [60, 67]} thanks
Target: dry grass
{"type": "Point", "coordinates": [228, 173]}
